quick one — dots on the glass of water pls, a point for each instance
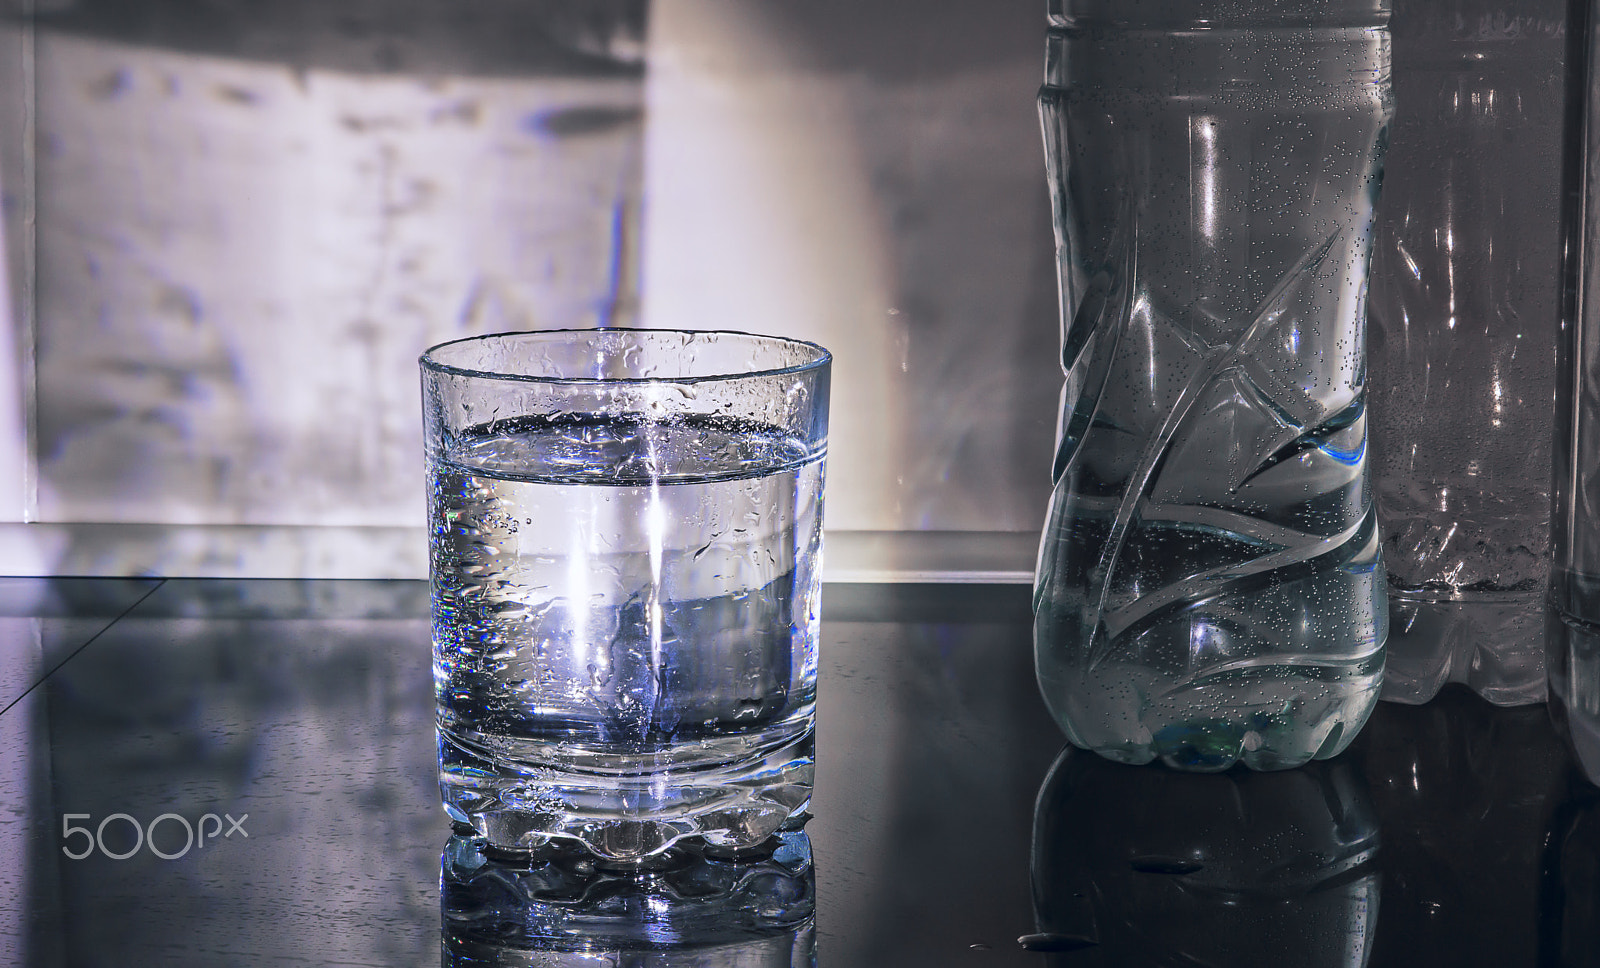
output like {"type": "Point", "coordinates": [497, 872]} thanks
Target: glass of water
{"type": "Point", "coordinates": [625, 530]}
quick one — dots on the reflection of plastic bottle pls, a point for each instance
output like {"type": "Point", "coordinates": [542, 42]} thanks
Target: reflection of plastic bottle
{"type": "Point", "coordinates": [1572, 885]}
{"type": "Point", "coordinates": [1209, 587]}
{"type": "Point", "coordinates": [1466, 792]}
{"type": "Point", "coordinates": [1464, 324]}
{"type": "Point", "coordinates": [682, 909]}
{"type": "Point", "coordinates": [1245, 869]}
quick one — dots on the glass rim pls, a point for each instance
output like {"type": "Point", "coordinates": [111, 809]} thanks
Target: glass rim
{"type": "Point", "coordinates": [428, 362]}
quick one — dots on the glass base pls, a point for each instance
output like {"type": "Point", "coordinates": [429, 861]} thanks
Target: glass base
{"type": "Point", "coordinates": [628, 816]}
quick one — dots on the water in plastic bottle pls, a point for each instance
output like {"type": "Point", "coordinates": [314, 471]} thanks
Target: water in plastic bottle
{"type": "Point", "coordinates": [1210, 588]}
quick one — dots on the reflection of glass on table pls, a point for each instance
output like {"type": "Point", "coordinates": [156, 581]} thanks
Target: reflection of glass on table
{"type": "Point", "coordinates": [685, 907]}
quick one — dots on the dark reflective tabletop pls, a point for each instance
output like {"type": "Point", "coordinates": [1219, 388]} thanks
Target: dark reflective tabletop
{"type": "Point", "coordinates": [241, 773]}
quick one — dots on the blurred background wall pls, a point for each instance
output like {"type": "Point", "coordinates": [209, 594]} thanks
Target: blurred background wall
{"type": "Point", "coordinates": [231, 227]}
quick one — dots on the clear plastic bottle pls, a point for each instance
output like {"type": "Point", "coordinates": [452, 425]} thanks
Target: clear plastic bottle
{"type": "Point", "coordinates": [1464, 327]}
{"type": "Point", "coordinates": [1572, 614]}
{"type": "Point", "coordinates": [1210, 588]}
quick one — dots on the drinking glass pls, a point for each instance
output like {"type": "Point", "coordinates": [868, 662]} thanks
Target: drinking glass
{"type": "Point", "coordinates": [625, 534]}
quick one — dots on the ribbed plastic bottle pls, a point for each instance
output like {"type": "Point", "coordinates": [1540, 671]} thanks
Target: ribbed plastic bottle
{"type": "Point", "coordinates": [1464, 321]}
{"type": "Point", "coordinates": [1210, 588]}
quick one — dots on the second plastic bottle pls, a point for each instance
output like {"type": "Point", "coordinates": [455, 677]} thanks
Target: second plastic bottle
{"type": "Point", "coordinates": [1210, 588]}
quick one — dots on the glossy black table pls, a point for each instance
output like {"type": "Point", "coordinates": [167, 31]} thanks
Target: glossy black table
{"type": "Point", "coordinates": [272, 742]}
